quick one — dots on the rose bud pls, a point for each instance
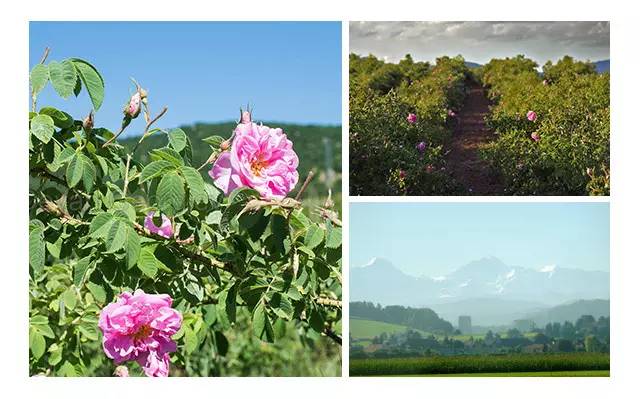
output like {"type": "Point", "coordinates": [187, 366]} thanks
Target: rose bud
{"type": "Point", "coordinates": [532, 116]}
{"type": "Point", "coordinates": [402, 174]}
{"type": "Point", "coordinates": [535, 136]}
{"type": "Point", "coordinates": [132, 110]}
{"type": "Point", "coordinates": [412, 118]}
{"type": "Point", "coordinates": [87, 123]}
{"type": "Point", "coordinates": [421, 146]}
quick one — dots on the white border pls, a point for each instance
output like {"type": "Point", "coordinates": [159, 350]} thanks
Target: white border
{"type": "Point", "coordinates": [625, 277]}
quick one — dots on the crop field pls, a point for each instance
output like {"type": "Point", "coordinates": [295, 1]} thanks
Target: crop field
{"type": "Point", "coordinates": [472, 364]}
{"type": "Point", "coordinates": [578, 373]}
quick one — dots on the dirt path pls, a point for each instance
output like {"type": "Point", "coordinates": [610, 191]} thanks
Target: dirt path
{"type": "Point", "coordinates": [469, 136]}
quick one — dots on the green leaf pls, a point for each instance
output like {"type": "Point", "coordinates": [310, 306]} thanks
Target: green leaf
{"type": "Point", "coordinates": [314, 236]}
{"type": "Point", "coordinates": [88, 172]}
{"type": "Point", "coordinates": [154, 169]}
{"type": "Point", "coordinates": [42, 127]}
{"type": "Point", "coordinates": [190, 340]}
{"type": "Point", "coordinates": [177, 139]}
{"type": "Point", "coordinates": [80, 270]}
{"type": "Point", "coordinates": [215, 141]}
{"type": "Point", "coordinates": [242, 195]}
{"type": "Point", "coordinates": [170, 194]}
{"type": "Point", "coordinates": [281, 306]}
{"type": "Point", "coordinates": [55, 354]}
{"type": "Point", "coordinates": [222, 343]}
{"type": "Point", "coordinates": [168, 154]}
{"type": "Point", "coordinates": [39, 77]}
{"type": "Point", "coordinates": [36, 249]}
{"type": "Point", "coordinates": [100, 225]}
{"type": "Point", "coordinates": [117, 236]}
{"type": "Point", "coordinates": [97, 291]}
{"type": "Point", "coordinates": [262, 327]}
{"type": "Point", "coordinates": [334, 238]}
{"type": "Point", "coordinates": [195, 183]}
{"type": "Point", "coordinates": [36, 343]}
{"type": "Point", "coordinates": [60, 119]}
{"type": "Point", "coordinates": [132, 247]}
{"type": "Point", "coordinates": [92, 81]}
{"type": "Point", "coordinates": [75, 170]}
{"type": "Point", "coordinates": [148, 263]}
{"type": "Point", "coordinates": [227, 299]}
{"type": "Point", "coordinates": [63, 77]}
{"type": "Point", "coordinates": [69, 298]}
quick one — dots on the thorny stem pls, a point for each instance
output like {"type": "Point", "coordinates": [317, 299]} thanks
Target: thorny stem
{"type": "Point", "coordinates": [331, 334]}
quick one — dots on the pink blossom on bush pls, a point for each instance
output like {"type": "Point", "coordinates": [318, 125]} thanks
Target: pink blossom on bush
{"type": "Point", "coordinates": [261, 158]}
{"type": "Point", "coordinates": [412, 118]}
{"type": "Point", "coordinates": [429, 168]}
{"type": "Point", "coordinates": [535, 136]}
{"type": "Point", "coordinates": [165, 230]}
{"type": "Point", "coordinates": [421, 146]}
{"type": "Point", "coordinates": [139, 327]}
{"type": "Point", "coordinates": [451, 113]}
{"type": "Point", "coordinates": [532, 116]}
{"type": "Point", "coordinates": [402, 174]}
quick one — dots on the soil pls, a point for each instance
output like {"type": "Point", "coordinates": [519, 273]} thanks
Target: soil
{"type": "Point", "coordinates": [469, 136]}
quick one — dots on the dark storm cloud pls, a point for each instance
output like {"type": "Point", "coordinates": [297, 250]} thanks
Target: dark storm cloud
{"type": "Point", "coordinates": [481, 41]}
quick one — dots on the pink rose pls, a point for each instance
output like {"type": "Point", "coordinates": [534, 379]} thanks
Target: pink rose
{"type": "Point", "coordinates": [451, 113]}
{"type": "Point", "coordinates": [133, 108]}
{"type": "Point", "coordinates": [260, 158]}
{"type": "Point", "coordinates": [412, 118]}
{"type": "Point", "coordinates": [421, 146]}
{"type": "Point", "coordinates": [429, 168]}
{"type": "Point", "coordinates": [535, 136]}
{"type": "Point", "coordinates": [402, 174]}
{"type": "Point", "coordinates": [532, 116]}
{"type": "Point", "coordinates": [139, 327]}
{"type": "Point", "coordinates": [165, 230]}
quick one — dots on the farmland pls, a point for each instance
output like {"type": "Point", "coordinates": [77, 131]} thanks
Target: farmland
{"type": "Point", "coordinates": [366, 329]}
{"type": "Point", "coordinates": [508, 127]}
{"type": "Point", "coordinates": [511, 363]}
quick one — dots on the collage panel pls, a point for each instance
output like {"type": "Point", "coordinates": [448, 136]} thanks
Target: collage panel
{"type": "Point", "coordinates": [479, 108]}
{"type": "Point", "coordinates": [185, 199]}
{"type": "Point", "coordinates": [479, 289]}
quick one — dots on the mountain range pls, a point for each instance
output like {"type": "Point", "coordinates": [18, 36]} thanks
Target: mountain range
{"type": "Point", "coordinates": [492, 292]}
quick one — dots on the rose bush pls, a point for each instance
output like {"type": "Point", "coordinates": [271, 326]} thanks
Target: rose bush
{"type": "Point", "coordinates": [549, 135]}
{"type": "Point", "coordinates": [237, 281]}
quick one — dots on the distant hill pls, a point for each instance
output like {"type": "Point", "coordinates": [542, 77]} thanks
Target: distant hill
{"type": "Point", "coordinates": [381, 282]}
{"type": "Point", "coordinates": [423, 319]}
{"type": "Point", "coordinates": [362, 328]}
{"type": "Point", "coordinates": [472, 65]}
{"type": "Point", "coordinates": [570, 311]}
{"type": "Point", "coordinates": [309, 141]}
{"type": "Point", "coordinates": [602, 66]}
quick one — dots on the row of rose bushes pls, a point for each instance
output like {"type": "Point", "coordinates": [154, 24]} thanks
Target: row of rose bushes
{"type": "Point", "coordinates": [399, 118]}
{"type": "Point", "coordinates": [553, 128]}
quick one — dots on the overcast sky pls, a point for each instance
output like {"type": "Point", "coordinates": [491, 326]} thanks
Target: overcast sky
{"type": "Point", "coordinates": [481, 41]}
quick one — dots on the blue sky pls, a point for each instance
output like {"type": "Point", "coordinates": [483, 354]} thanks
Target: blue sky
{"type": "Point", "coordinates": [432, 239]}
{"type": "Point", "coordinates": [203, 71]}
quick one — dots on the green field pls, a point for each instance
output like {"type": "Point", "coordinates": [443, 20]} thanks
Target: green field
{"type": "Point", "coordinates": [472, 364]}
{"type": "Point", "coordinates": [580, 373]}
{"type": "Point", "coordinates": [361, 328]}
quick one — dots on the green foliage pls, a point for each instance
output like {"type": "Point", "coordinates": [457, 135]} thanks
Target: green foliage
{"type": "Point", "coordinates": [573, 122]}
{"type": "Point", "coordinates": [382, 143]}
{"type": "Point", "coordinates": [480, 364]}
{"type": "Point", "coordinates": [256, 295]}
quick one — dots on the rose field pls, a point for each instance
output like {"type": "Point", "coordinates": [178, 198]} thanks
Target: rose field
{"type": "Point", "coordinates": [178, 252]}
{"type": "Point", "coordinates": [504, 128]}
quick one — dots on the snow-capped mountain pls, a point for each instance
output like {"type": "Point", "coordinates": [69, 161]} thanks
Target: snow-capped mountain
{"type": "Point", "coordinates": [380, 281]}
